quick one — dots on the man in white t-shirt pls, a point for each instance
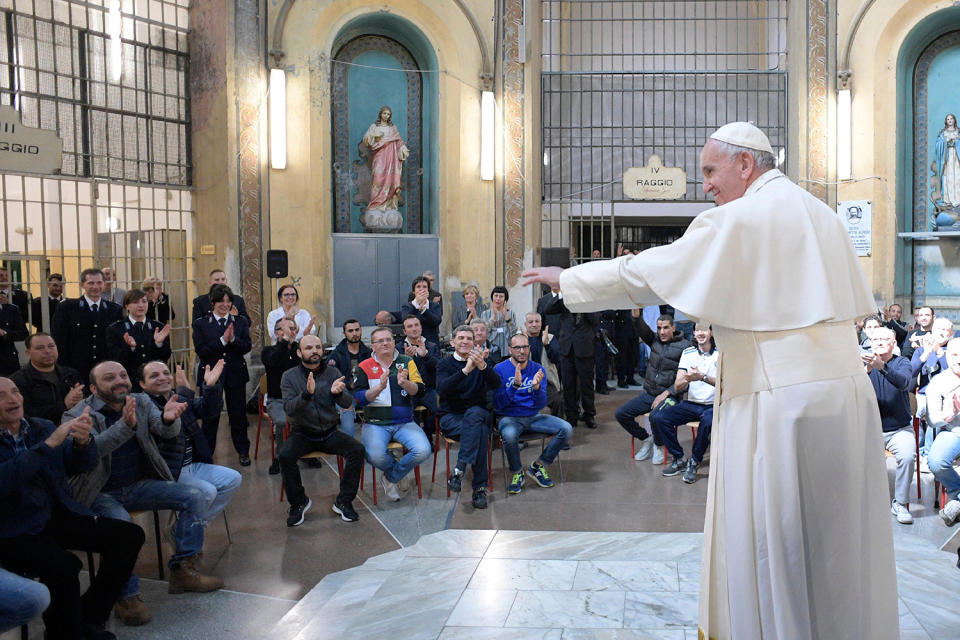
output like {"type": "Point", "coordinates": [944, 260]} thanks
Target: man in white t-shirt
{"type": "Point", "coordinates": [697, 375]}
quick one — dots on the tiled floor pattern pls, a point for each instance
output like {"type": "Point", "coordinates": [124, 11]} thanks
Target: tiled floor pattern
{"type": "Point", "coordinates": [478, 585]}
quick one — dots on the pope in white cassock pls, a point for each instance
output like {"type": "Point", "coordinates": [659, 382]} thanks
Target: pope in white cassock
{"type": "Point", "coordinates": [797, 540]}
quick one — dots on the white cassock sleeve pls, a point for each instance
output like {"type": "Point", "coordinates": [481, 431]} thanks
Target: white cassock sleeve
{"type": "Point", "coordinates": [774, 260]}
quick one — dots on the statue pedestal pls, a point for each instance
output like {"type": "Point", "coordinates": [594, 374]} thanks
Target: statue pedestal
{"type": "Point", "coordinates": [382, 221]}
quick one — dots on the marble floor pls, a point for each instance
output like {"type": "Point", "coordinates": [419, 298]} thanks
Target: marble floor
{"type": "Point", "coordinates": [481, 584]}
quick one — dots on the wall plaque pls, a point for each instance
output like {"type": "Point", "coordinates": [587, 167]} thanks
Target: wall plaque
{"type": "Point", "coordinates": [655, 181]}
{"type": "Point", "coordinates": [25, 149]}
{"type": "Point", "coordinates": [856, 216]}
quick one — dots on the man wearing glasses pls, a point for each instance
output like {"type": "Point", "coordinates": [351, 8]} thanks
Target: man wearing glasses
{"type": "Point", "coordinates": [386, 388]}
{"type": "Point", "coordinates": [521, 395]}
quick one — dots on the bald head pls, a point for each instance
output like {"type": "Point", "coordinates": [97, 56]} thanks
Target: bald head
{"type": "Point", "coordinates": [310, 351]}
{"type": "Point", "coordinates": [109, 382]}
{"type": "Point", "coordinates": [11, 405]}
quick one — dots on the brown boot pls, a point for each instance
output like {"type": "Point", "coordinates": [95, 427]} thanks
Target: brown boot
{"type": "Point", "coordinates": [132, 611]}
{"type": "Point", "coordinates": [186, 577]}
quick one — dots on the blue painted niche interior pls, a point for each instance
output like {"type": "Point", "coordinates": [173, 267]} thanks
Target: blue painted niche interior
{"type": "Point", "coordinates": [367, 88]}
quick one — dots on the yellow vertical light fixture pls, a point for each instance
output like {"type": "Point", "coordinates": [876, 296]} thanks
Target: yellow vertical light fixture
{"type": "Point", "coordinates": [278, 119]}
{"type": "Point", "coordinates": [844, 135]}
{"type": "Point", "coordinates": [487, 119]}
{"type": "Point", "coordinates": [115, 31]}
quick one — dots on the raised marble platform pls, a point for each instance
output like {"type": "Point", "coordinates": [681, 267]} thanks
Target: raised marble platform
{"type": "Point", "coordinates": [478, 585]}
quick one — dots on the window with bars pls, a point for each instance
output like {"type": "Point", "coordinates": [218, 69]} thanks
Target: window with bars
{"type": "Point", "coordinates": [124, 199]}
{"type": "Point", "coordinates": [57, 56]}
{"type": "Point", "coordinates": [624, 80]}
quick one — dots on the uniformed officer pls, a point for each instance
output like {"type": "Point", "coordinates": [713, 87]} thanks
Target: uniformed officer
{"type": "Point", "coordinates": [202, 305]}
{"type": "Point", "coordinates": [18, 297]}
{"type": "Point", "coordinates": [12, 330]}
{"type": "Point", "coordinates": [628, 348]}
{"type": "Point", "coordinates": [225, 335]}
{"type": "Point", "coordinates": [136, 340]}
{"type": "Point", "coordinates": [79, 326]}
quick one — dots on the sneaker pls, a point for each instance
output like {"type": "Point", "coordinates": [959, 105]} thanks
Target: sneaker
{"type": "Point", "coordinates": [950, 513]}
{"type": "Point", "coordinates": [902, 513]}
{"type": "Point", "coordinates": [539, 475]}
{"type": "Point", "coordinates": [274, 467]}
{"type": "Point", "coordinates": [646, 448]}
{"type": "Point", "coordinates": [391, 489]}
{"type": "Point", "coordinates": [295, 519]}
{"type": "Point", "coordinates": [455, 481]}
{"type": "Point", "coordinates": [675, 468]}
{"type": "Point", "coordinates": [479, 499]}
{"type": "Point", "coordinates": [658, 456]}
{"type": "Point", "coordinates": [346, 511]}
{"type": "Point", "coordinates": [690, 473]}
{"type": "Point", "coordinates": [244, 460]}
{"type": "Point", "coordinates": [132, 611]}
{"type": "Point", "coordinates": [516, 485]}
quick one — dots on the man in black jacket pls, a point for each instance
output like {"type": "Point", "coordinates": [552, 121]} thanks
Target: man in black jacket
{"type": "Point", "coordinates": [202, 305]}
{"type": "Point", "coordinates": [276, 359]}
{"type": "Point", "coordinates": [427, 355]}
{"type": "Point", "coordinates": [48, 388]}
{"type": "Point", "coordinates": [666, 347]}
{"type": "Point", "coordinates": [576, 338]}
{"type": "Point", "coordinates": [39, 520]}
{"type": "Point", "coordinates": [346, 356]}
{"type": "Point", "coordinates": [224, 335]}
{"type": "Point", "coordinates": [18, 297]}
{"type": "Point", "coordinates": [54, 298]}
{"type": "Point", "coordinates": [80, 325]}
{"type": "Point", "coordinates": [464, 380]}
{"type": "Point", "coordinates": [12, 330]}
{"type": "Point", "coordinates": [311, 393]}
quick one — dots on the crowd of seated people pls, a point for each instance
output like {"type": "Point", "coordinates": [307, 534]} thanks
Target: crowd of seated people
{"type": "Point", "coordinates": [97, 413]}
{"type": "Point", "coordinates": [925, 364]}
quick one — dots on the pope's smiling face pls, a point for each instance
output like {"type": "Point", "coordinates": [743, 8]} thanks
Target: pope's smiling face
{"type": "Point", "coordinates": [725, 177]}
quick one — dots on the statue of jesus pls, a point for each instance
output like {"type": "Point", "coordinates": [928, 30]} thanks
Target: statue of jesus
{"type": "Point", "coordinates": [388, 155]}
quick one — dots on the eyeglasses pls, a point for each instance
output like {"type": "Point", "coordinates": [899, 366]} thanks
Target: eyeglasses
{"type": "Point", "coordinates": [382, 341]}
{"type": "Point", "coordinates": [520, 347]}
{"type": "Point", "coordinates": [288, 295]}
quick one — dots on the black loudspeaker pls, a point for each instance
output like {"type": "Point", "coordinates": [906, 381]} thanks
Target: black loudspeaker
{"type": "Point", "coordinates": [277, 263]}
{"type": "Point", "coordinates": [555, 257]}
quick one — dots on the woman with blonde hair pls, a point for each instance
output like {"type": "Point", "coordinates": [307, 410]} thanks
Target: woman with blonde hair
{"type": "Point", "coordinates": [471, 309]}
{"type": "Point", "coordinates": [158, 302]}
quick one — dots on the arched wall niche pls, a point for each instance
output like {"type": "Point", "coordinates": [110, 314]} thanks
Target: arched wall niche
{"type": "Point", "coordinates": [383, 59]}
{"type": "Point", "coordinates": [925, 271]}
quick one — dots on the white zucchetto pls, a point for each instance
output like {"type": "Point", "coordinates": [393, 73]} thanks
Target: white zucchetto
{"type": "Point", "coordinates": [743, 134]}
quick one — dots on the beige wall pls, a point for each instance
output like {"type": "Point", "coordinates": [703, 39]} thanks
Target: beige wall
{"type": "Point", "coordinates": [300, 199]}
{"type": "Point", "coordinates": [873, 63]}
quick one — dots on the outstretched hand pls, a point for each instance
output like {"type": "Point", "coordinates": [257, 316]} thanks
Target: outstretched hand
{"type": "Point", "coordinates": [212, 376]}
{"type": "Point", "coordinates": [549, 276]}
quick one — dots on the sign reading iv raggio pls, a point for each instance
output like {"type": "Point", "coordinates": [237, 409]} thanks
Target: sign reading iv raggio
{"type": "Point", "coordinates": [654, 181]}
{"type": "Point", "coordinates": [27, 150]}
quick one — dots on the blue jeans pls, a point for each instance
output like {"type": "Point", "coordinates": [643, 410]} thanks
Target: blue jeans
{"type": "Point", "coordinates": [669, 418]}
{"type": "Point", "coordinates": [471, 427]}
{"type": "Point", "coordinates": [217, 483]}
{"type": "Point", "coordinates": [512, 427]}
{"type": "Point", "coordinates": [348, 421]}
{"type": "Point", "coordinates": [628, 412]}
{"type": "Point", "coordinates": [944, 451]}
{"type": "Point", "coordinates": [376, 437]}
{"type": "Point", "coordinates": [21, 600]}
{"type": "Point", "coordinates": [190, 502]}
